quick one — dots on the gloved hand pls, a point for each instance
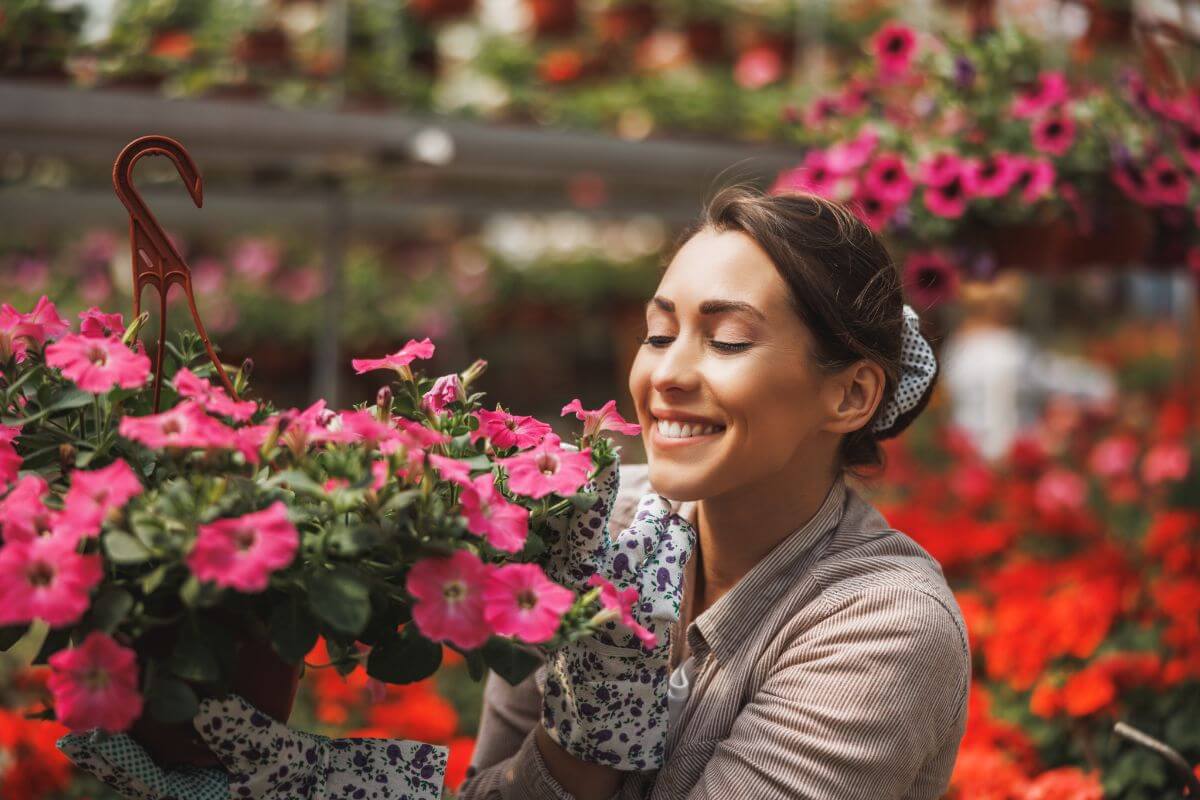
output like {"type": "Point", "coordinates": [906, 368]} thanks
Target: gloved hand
{"type": "Point", "coordinates": [265, 760]}
{"type": "Point", "coordinates": [605, 697]}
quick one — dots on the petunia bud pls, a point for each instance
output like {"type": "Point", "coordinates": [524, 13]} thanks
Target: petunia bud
{"type": "Point", "coordinates": [66, 455]}
{"type": "Point", "coordinates": [242, 379]}
{"type": "Point", "coordinates": [134, 328]}
{"type": "Point", "coordinates": [472, 373]}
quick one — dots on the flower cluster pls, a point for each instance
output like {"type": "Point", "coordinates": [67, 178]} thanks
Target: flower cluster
{"type": "Point", "coordinates": [383, 529]}
{"type": "Point", "coordinates": [936, 144]}
{"type": "Point", "coordinates": [1074, 561]}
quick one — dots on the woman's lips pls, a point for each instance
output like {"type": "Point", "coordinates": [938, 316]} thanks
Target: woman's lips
{"type": "Point", "coordinates": [661, 440]}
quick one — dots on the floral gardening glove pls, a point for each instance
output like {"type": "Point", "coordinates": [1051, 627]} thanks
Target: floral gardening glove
{"type": "Point", "coordinates": [265, 760]}
{"type": "Point", "coordinates": [605, 698]}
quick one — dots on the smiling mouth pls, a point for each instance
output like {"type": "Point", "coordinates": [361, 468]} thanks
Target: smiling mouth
{"type": "Point", "coordinates": [669, 429]}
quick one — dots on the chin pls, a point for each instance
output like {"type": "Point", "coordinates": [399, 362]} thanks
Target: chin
{"type": "Point", "coordinates": [674, 484]}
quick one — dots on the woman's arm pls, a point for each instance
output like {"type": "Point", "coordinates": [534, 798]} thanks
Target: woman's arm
{"type": "Point", "coordinates": [870, 702]}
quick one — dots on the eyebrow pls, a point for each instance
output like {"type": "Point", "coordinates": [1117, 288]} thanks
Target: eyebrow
{"type": "Point", "coordinates": [711, 307]}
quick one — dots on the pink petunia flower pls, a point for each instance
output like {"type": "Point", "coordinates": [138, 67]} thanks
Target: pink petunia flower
{"type": "Point", "coordinates": [1034, 178]}
{"type": "Point", "coordinates": [18, 331]}
{"type": "Point", "coordinates": [948, 198]}
{"type": "Point", "coordinates": [214, 399]}
{"type": "Point", "coordinates": [1053, 134]}
{"type": "Point", "coordinates": [94, 494]}
{"type": "Point", "coordinates": [449, 603]}
{"type": "Point", "coordinates": [242, 552]}
{"type": "Point", "coordinates": [24, 515]}
{"type": "Point", "coordinates": [548, 468]}
{"type": "Point", "coordinates": [96, 324]}
{"type": "Point", "coordinates": [940, 168]}
{"type": "Point", "coordinates": [446, 390]}
{"type": "Point", "coordinates": [10, 460]}
{"type": "Point", "coordinates": [873, 210]}
{"type": "Point", "coordinates": [520, 601]}
{"type": "Point", "coordinates": [95, 685]}
{"type": "Point", "coordinates": [622, 601]}
{"type": "Point", "coordinates": [894, 46]}
{"type": "Point", "coordinates": [1189, 145]}
{"type": "Point", "coordinates": [44, 578]}
{"type": "Point", "coordinates": [930, 278]}
{"type": "Point", "coordinates": [98, 365]}
{"type": "Point", "coordinates": [1113, 456]}
{"type": "Point", "coordinates": [1060, 491]}
{"type": "Point", "coordinates": [452, 469]}
{"type": "Point", "coordinates": [418, 434]}
{"type": "Point", "coordinates": [398, 360]}
{"type": "Point", "coordinates": [887, 178]}
{"type": "Point", "coordinates": [505, 430]}
{"type": "Point", "coordinates": [1167, 183]}
{"type": "Point", "coordinates": [363, 427]}
{"type": "Point", "coordinates": [814, 175]}
{"type": "Point", "coordinates": [1169, 461]}
{"type": "Point", "coordinates": [605, 418]}
{"type": "Point", "coordinates": [504, 524]}
{"type": "Point", "coordinates": [1049, 90]}
{"type": "Point", "coordinates": [184, 426]}
{"type": "Point", "coordinates": [847, 158]}
{"type": "Point", "coordinates": [992, 176]}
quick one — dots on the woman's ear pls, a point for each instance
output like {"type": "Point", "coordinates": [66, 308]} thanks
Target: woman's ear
{"type": "Point", "coordinates": [852, 395]}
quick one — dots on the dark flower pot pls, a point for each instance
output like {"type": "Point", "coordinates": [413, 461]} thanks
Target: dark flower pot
{"type": "Point", "coordinates": [266, 681]}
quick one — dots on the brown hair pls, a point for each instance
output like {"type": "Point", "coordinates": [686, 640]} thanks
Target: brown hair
{"type": "Point", "coordinates": [844, 287]}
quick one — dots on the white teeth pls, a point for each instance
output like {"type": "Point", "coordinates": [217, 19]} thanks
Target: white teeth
{"type": "Point", "coordinates": [675, 430]}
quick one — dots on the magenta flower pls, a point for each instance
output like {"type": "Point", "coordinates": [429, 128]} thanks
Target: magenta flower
{"type": "Point", "coordinates": [992, 176]}
{"type": "Point", "coordinates": [489, 515]}
{"type": "Point", "coordinates": [24, 516]}
{"type": "Point", "coordinates": [1134, 183]}
{"type": "Point", "coordinates": [1167, 183]}
{"type": "Point", "coordinates": [184, 426]}
{"type": "Point", "coordinates": [947, 198]}
{"type": "Point", "coordinates": [1113, 456]}
{"type": "Point", "coordinates": [18, 331]}
{"type": "Point", "coordinates": [758, 67]}
{"type": "Point", "coordinates": [887, 178]}
{"type": "Point", "coordinates": [96, 324]}
{"type": "Point", "coordinates": [451, 469]}
{"type": "Point", "coordinates": [449, 603]}
{"type": "Point", "coordinates": [363, 427]}
{"type": "Point", "coordinates": [520, 601]}
{"type": "Point", "coordinates": [506, 430]}
{"type": "Point", "coordinates": [98, 365]}
{"type": "Point", "coordinates": [95, 685]}
{"type": "Point", "coordinates": [1189, 146]}
{"type": "Point", "coordinates": [894, 46]}
{"type": "Point", "coordinates": [446, 390]}
{"type": "Point", "coordinates": [1049, 90]}
{"type": "Point", "coordinates": [845, 158]}
{"type": "Point", "coordinates": [1034, 178]}
{"type": "Point", "coordinates": [94, 494]}
{"type": "Point", "coordinates": [622, 602]}
{"type": "Point", "coordinates": [419, 434]}
{"type": "Point", "coordinates": [214, 399]}
{"type": "Point", "coordinates": [1060, 491]}
{"type": "Point", "coordinates": [1053, 134]}
{"type": "Point", "coordinates": [44, 578]}
{"type": "Point", "coordinates": [242, 552]}
{"type": "Point", "coordinates": [815, 175]}
{"type": "Point", "coordinates": [605, 418]}
{"type": "Point", "coordinates": [930, 278]}
{"type": "Point", "coordinates": [398, 360]}
{"type": "Point", "coordinates": [873, 210]}
{"type": "Point", "coordinates": [548, 468]}
{"type": "Point", "coordinates": [10, 460]}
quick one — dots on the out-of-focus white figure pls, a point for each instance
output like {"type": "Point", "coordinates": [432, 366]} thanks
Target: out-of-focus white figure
{"type": "Point", "coordinates": [999, 378]}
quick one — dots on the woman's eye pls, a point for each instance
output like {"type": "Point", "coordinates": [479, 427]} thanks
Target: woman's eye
{"type": "Point", "coordinates": [657, 341]}
{"type": "Point", "coordinates": [731, 347]}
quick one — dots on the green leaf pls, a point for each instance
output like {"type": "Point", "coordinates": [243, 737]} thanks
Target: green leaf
{"type": "Point", "coordinates": [400, 501]}
{"type": "Point", "coordinates": [109, 609]}
{"type": "Point", "coordinates": [476, 666]}
{"type": "Point", "coordinates": [296, 481]}
{"type": "Point", "coordinates": [170, 700]}
{"type": "Point", "coordinates": [404, 658]}
{"type": "Point", "coordinates": [510, 660]}
{"type": "Point", "coordinates": [340, 598]}
{"type": "Point", "coordinates": [346, 541]}
{"type": "Point", "coordinates": [10, 635]}
{"type": "Point", "coordinates": [293, 631]}
{"type": "Point", "coordinates": [193, 660]}
{"type": "Point", "coordinates": [152, 580]}
{"type": "Point", "coordinates": [123, 548]}
{"type": "Point", "coordinates": [197, 594]}
{"type": "Point", "coordinates": [57, 639]}
{"type": "Point", "coordinates": [478, 463]}
{"type": "Point", "coordinates": [72, 398]}
{"type": "Point", "coordinates": [582, 501]}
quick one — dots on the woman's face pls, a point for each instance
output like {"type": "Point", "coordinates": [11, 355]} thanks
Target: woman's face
{"type": "Point", "coordinates": [725, 387]}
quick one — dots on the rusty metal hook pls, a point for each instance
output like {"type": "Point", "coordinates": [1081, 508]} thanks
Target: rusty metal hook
{"type": "Point", "coordinates": [156, 262]}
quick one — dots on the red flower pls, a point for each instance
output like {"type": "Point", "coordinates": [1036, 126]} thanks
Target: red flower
{"type": "Point", "coordinates": [1065, 783]}
{"type": "Point", "coordinates": [31, 768]}
{"type": "Point", "coordinates": [561, 66]}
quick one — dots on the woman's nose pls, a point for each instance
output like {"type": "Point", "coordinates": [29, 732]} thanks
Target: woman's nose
{"type": "Point", "coordinates": [677, 368]}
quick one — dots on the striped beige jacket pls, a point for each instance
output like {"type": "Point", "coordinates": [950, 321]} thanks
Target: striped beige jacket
{"type": "Point", "coordinates": [837, 668]}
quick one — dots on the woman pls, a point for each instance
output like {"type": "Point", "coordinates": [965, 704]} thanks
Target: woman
{"type": "Point", "coordinates": [812, 651]}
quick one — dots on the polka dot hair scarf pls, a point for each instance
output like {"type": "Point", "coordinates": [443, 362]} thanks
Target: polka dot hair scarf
{"type": "Point", "coordinates": [917, 368]}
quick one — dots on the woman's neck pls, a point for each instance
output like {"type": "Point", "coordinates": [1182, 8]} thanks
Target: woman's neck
{"type": "Point", "coordinates": [738, 529]}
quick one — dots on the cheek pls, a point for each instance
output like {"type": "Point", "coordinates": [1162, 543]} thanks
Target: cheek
{"type": "Point", "coordinates": [774, 406]}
